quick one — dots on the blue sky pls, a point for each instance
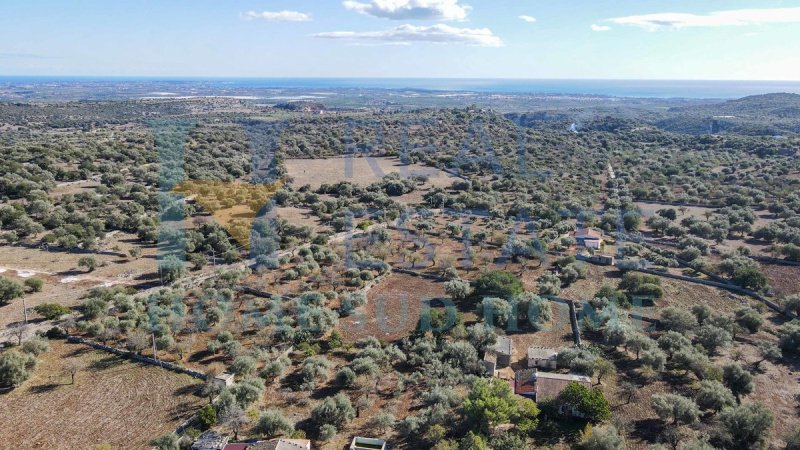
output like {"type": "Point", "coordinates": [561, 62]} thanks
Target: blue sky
{"type": "Point", "coordinates": [622, 39]}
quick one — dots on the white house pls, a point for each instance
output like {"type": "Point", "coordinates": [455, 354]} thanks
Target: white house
{"type": "Point", "coordinates": [223, 380]}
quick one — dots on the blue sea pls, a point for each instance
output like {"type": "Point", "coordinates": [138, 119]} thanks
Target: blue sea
{"type": "Point", "coordinates": [617, 88]}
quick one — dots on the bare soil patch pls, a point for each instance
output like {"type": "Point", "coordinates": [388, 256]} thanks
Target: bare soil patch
{"type": "Point", "coordinates": [298, 216]}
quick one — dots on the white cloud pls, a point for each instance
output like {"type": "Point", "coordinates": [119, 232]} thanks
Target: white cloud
{"type": "Point", "coordinates": [529, 19]}
{"type": "Point", "coordinates": [21, 56]}
{"type": "Point", "coordinates": [405, 34]}
{"type": "Point", "coordinates": [279, 16]}
{"type": "Point", "coordinates": [596, 27]}
{"type": "Point", "coordinates": [735, 17]}
{"type": "Point", "coordinates": [411, 9]}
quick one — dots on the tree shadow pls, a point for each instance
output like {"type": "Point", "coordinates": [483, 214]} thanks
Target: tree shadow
{"type": "Point", "coordinates": [647, 430]}
{"type": "Point", "coordinates": [106, 363]}
{"type": "Point", "coordinates": [190, 389]}
{"type": "Point", "coordinates": [325, 391]}
{"type": "Point", "coordinates": [44, 388]}
{"type": "Point", "coordinates": [292, 381]}
{"type": "Point", "coordinates": [72, 272]}
{"type": "Point", "coordinates": [80, 351]}
{"type": "Point", "coordinates": [182, 411]}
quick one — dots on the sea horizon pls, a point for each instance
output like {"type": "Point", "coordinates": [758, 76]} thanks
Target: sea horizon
{"type": "Point", "coordinates": [641, 88]}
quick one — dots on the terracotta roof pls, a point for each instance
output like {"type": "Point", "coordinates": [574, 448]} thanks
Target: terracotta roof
{"type": "Point", "coordinates": [524, 386]}
{"type": "Point", "coordinates": [544, 385]}
{"type": "Point", "coordinates": [588, 233]}
{"type": "Point", "coordinates": [549, 385]}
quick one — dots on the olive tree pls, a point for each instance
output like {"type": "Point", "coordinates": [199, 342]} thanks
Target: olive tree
{"type": "Point", "coordinates": [714, 396]}
{"type": "Point", "coordinates": [87, 262]}
{"type": "Point", "coordinates": [790, 337]}
{"type": "Point", "coordinates": [679, 320]}
{"type": "Point", "coordinates": [458, 289]}
{"type": "Point", "coordinates": [604, 437]}
{"type": "Point", "coordinates": [747, 425]}
{"type": "Point", "coordinates": [15, 367]}
{"type": "Point", "coordinates": [738, 380]}
{"type": "Point", "coordinates": [712, 338]}
{"type": "Point", "coordinates": [336, 411]}
{"type": "Point", "coordinates": [677, 408]}
{"type": "Point", "coordinates": [791, 304]}
{"type": "Point", "coordinates": [382, 422]}
{"type": "Point", "coordinates": [749, 319]}
{"type": "Point", "coordinates": [35, 346]}
{"type": "Point", "coordinates": [327, 432]}
{"type": "Point", "coordinates": [9, 290]}
{"type": "Point", "coordinates": [315, 368]}
{"type": "Point", "coordinates": [272, 423]}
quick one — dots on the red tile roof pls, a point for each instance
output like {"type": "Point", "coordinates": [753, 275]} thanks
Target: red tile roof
{"type": "Point", "coordinates": [588, 233]}
{"type": "Point", "coordinates": [544, 385]}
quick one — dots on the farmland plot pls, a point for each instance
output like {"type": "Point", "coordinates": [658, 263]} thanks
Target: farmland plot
{"type": "Point", "coordinates": [113, 401]}
{"type": "Point", "coordinates": [315, 172]}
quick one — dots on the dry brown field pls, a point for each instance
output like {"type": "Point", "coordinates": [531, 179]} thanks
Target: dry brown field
{"type": "Point", "coordinates": [113, 401]}
{"type": "Point", "coordinates": [363, 171]}
{"type": "Point", "coordinates": [393, 308]}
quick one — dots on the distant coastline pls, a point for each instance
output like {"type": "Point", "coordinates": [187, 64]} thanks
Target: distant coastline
{"type": "Point", "coordinates": [617, 88]}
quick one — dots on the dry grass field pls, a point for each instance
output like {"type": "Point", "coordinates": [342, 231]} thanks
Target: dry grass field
{"type": "Point", "coordinates": [783, 279]}
{"type": "Point", "coordinates": [649, 210]}
{"type": "Point", "coordinates": [113, 402]}
{"type": "Point", "coordinates": [64, 282]}
{"type": "Point", "coordinates": [315, 172]}
{"type": "Point", "coordinates": [300, 217]}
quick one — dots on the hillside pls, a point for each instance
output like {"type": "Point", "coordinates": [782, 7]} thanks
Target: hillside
{"type": "Point", "coordinates": [769, 114]}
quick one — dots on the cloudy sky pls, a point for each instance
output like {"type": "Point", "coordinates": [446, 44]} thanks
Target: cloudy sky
{"type": "Point", "coordinates": [620, 39]}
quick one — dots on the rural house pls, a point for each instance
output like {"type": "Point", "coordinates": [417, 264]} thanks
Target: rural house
{"type": "Point", "coordinates": [362, 443]}
{"type": "Point", "coordinates": [545, 385]}
{"type": "Point", "coordinates": [210, 440]}
{"type": "Point", "coordinates": [223, 380]}
{"type": "Point", "coordinates": [542, 358]}
{"type": "Point", "coordinates": [603, 260]}
{"type": "Point", "coordinates": [589, 238]}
